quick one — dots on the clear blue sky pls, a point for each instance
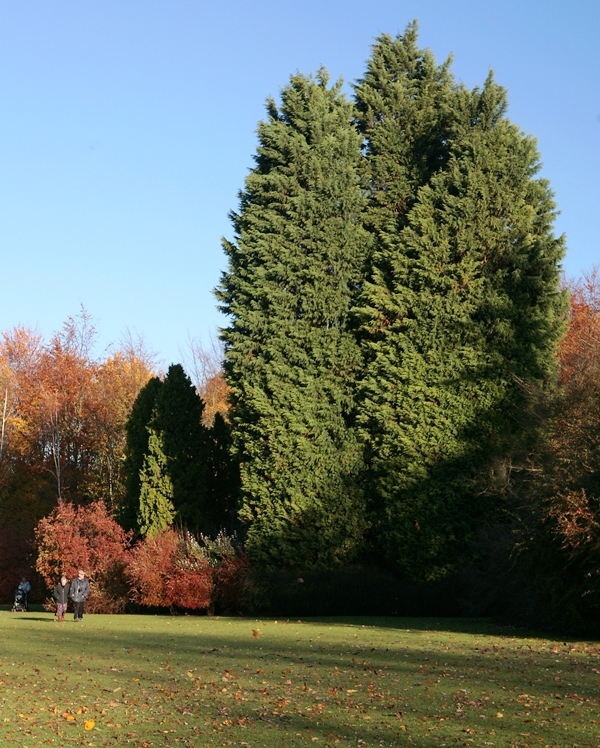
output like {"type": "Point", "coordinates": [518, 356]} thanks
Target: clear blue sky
{"type": "Point", "coordinates": [127, 128]}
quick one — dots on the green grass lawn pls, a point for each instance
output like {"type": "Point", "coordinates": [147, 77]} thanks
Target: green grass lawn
{"type": "Point", "coordinates": [191, 681]}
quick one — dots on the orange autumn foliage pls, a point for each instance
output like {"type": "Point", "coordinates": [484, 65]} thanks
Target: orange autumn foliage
{"type": "Point", "coordinates": [574, 506]}
{"type": "Point", "coordinates": [65, 411]}
{"type": "Point", "coordinates": [215, 394]}
{"type": "Point", "coordinates": [205, 364]}
{"type": "Point", "coordinates": [62, 430]}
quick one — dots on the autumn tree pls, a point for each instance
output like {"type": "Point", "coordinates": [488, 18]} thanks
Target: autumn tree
{"type": "Point", "coordinates": [564, 552]}
{"type": "Point", "coordinates": [63, 426]}
{"type": "Point", "coordinates": [204, 362]}
{"type": "Point", "coordinates": [85, 537]}
{"type": "Point", "coordinates": [68, 410]}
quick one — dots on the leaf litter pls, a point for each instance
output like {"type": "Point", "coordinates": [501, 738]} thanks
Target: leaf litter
{"type": "Point", "coordinates": [196, 681]}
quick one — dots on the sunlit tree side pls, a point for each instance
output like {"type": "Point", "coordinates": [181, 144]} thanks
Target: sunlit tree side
{"type": "Point", "coordinates": [295, 267]}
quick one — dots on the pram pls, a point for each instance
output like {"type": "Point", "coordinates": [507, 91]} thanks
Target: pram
{"type": "Point", "coordinates": [20, 603]}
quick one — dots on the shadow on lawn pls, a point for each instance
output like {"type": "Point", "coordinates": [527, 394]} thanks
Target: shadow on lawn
{"type": "Point", "coordinates": [32, 618]}
{"type": "Point", "coordinates": [475, 626]}
{"type": "Point", "coordinates": [518, 665]}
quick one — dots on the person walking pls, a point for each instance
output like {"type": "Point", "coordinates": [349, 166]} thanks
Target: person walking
{"type": "Point", "coordinates": [61, 595]}
{"type": "Point", "coordinates": [80, 589]}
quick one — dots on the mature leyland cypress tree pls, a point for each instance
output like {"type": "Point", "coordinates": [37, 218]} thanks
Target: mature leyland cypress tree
{"type": "Point", "coordinates": [137, 436]}
{"type": "Point", "coordinates": [294, 271]}
{"type": "Point", "coordinates": [405, 108]}
{"type": "Point", "coordinates": [471, 311]}
{"type": "Point", "coordinates": [155, 506]}
{"type": "Point", "coordinates": [177, 418]}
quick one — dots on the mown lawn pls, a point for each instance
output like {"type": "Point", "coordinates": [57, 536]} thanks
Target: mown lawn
{"type": "Point", "coordinates": [192, 681]}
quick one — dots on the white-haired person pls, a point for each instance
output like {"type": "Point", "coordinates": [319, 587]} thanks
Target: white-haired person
{"type": "Point", "coordinates": [79, 592]}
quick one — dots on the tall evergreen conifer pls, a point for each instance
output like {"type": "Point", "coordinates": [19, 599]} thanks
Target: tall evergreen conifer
{"type": "Point", "coordinates": [177, 417]}
{"type": "Point", "coordinates": [295, 268]}
{"type": "Point", "coordinates": [168, 413]}
{"type": "Point", "coordinates": [462, 309]}
{"type": "Point", "coordinates": [406, 111]}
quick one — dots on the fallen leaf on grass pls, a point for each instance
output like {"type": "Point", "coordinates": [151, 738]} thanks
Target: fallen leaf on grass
{"type": "Point", "coordinates": [89, 724]}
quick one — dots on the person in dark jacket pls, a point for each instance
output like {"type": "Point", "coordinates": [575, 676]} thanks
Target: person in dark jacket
{"type": "Point", "coordinates": [61, 595]}
{"type": "Point", "coordinates": [80, 589]}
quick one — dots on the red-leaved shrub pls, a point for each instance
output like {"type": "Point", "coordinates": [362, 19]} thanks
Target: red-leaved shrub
{"type": "Point", "coordinates": [169, 570]}
{"type": "Point", "coordinates": [230, 577]}
{"type": "Point", "coordinates": [88, 538]}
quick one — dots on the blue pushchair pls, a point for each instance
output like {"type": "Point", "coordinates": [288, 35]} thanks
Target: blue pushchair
{"type": "Point", "coordinates": [21, 602]}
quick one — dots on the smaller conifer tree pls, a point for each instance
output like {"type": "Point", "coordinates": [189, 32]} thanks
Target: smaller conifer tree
{"type": "Point", "coordinates": [137, 435]}
{"type": "Point", "coordinates": [167, 456]}
{"type": "Point", "coordinates": [156, 511]}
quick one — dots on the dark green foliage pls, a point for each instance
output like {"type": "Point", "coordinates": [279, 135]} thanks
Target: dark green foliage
{"type": "Point", "coordinates": [345, 591]}
{"type": "Point", "coordinates": [405, 108]}
{"type": "Point", "coordinates": [380, 385]}
{"type": "Point", "coordinates": [137, 448]}
{"type": "Point", "coordinates": [223, 480]}
{"type": "Point", "coordinates": [176, 464]}
{"type": "Point", "coordinates": [295, 268]}
{"type": "Point", "coordinates": [178, 419]}
{"type": "Point", "coordinates": [462, 311]}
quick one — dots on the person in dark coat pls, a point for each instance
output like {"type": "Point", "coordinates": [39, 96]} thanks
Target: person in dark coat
{"type": "Point", "coordinates": [61, 595]}
{"type": "Point", "coordinates": [80, 589]}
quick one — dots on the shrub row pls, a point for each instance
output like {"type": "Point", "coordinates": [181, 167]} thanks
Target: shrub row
{"type": "Point", "coordinates": [172, 570]}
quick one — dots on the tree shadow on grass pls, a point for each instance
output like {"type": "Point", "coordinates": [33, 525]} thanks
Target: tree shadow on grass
{"type": "Point", "coordinates": [474, 626]}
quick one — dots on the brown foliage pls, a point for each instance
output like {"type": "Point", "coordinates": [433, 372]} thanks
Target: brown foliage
{"type": "Point", "coordinates": [574, 507]}
{"type": "Point", "coordinates": [230, 579]}
{"type": "Point", "coordinates": [173, 569]}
